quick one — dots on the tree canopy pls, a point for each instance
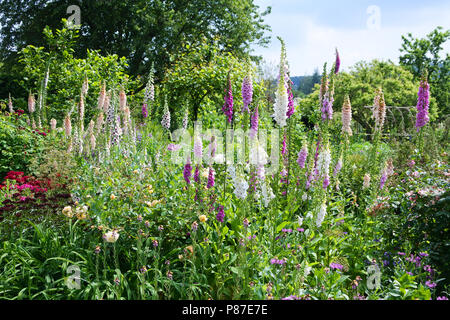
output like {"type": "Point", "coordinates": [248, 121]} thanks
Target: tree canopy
{"type": "Point", "coordinates": [143, 31]}
{"type": "Point", "coordinates": [360, 83]}
{"type": "Point", "coordinates": [425, 53]}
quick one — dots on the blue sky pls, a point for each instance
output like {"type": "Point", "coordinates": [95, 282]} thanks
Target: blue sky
{"type": "Point", "coordinates": [360, 29]}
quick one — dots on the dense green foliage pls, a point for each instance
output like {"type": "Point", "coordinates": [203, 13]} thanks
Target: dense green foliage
{"type": "Point", "coordinates": [426, 53]}
{"type": "Point", "coordinates": [108, 191]}
{"type": "Point", "coordinates": [143, 31]}
{"type": "Point", "coordinates": [361, 82]}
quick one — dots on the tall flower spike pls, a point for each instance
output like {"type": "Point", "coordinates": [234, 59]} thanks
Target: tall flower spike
{"type": "Point", "coordinates": [302, 155]}
{"type": "Point", "coordinates": [383, 178]}
{"type": "Point", "coordinates": [150, 87]}
{"type": "Point", "coordinates": [254, 119]}
{"type": "Point", "coordinates": [210, 178]}
{"type": "Point", "coordinates": [327, 106]}
{"type": "Point", "coordinates": [53, 124]}
{"type": "Point", "coordinates": [281, 96]}
{"type": "Point", "coordinates": [338, 62]}
{"type": "Point", "coordinates": [220, 213]}
{"type": "Point", "coordinates": [187, 171]}
{"type": "Point", "coordinates": [347, 116]}
{"type": "Point", "coordinates": [321, 214]}
{"type": "Point", "coordinates": [81, 113]}
{"type": "Point", "coordinates": [122, 100]}
{"type": "Point", "coordinates": [366, 181]}
{"type": "Point", "coordinates": [144, 110]}
{"type": "Point", "coordinates": [379, 110]}
{"type": "Point", "coordinates": [323, 84]}
{"type": "Point", "coordinates": [85, 87]}
{"type": "Point", "coordinates": [247, 91]}
{"type": "Point", "coordinates": [165, 122]}
{"type": "Point", "coordinates": [323, 165]}
{"type": "Point", "coordinates": [185, 119]}
{"type": "Point", "coordinates": [31, 103]}
{"type": "Point", "coordinates": [423, 102]}
{"type": "Point", "coordinates": [107, 103]}
{"type": "Point", "coordinates": [197, 174]}
{"type": "Point", "coordinates": [228, 105]}
{"type": "Point", "coordinates": [101, 97]}
{"type": "Point", "coordinates": [99, 123]}
{"type": "Point", "coordinates": [338, 167]}
{"type": "Point", "coordinates": [10, 105]}
{"type": "Point", "coordinates": [291, 109]}
{"type": "Point", "coordinates": [198, 149]}
{"type": "Point", "coordinates": [67, 126]}
{"type": "Point", "coordinates": [117, 132]}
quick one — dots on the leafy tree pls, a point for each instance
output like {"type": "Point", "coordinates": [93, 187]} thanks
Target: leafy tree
{"type": "Point", "coordinates": [307, 83]}
{"type": "Point", "coordinates": [143, 31]}
{"type": "Point", "coordinates": [419, 54]}
{"type": "Point", "coordinates": [399, 87]}
{"type": "Point", "coordinates": [67, 73]}
{"type": "Point", "coordinates": [198, 78]}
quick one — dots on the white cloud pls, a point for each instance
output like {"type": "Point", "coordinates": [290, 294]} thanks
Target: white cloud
{"type": "Point", "coordinates": [310, 44]}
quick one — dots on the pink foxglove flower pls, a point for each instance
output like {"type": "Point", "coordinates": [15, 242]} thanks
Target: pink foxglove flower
{"type": "Point", "coordinates": [228, 105]}
{"type": "Point", "coordinates": [31, 103]}
{"type": "Point", "coordinates": [302, 155]}
{"type": "Point", "coordinates": [67, 126]}
{"type": "Point", "coordinates": [247, 91]}
{"type": "Point", "coordinates": [379, 111]}
{"type": "Point", "coordinates": [210, 178]}
{"type": "Point", "coordinates": [338, 63]}
{"type": "Point", "coordinates": [423, 103]}
{"type": "Point", "coordinates": [198, 148]}
{"type": "Point", "coordinates": [122, 100]}
{"type": "Point", "coordinates": [187, 172]}
{"type": "Point", "coordinates": [101, 97]}
{"type": "Point", "coordinates": [53, 124]}
{"type": "Point", "coordinates": [254, 123]}
{"type": "Point", "coordinates": [347, 116]}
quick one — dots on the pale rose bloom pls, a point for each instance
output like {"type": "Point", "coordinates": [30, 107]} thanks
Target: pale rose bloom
{"type": "Point", "coordinates": [53, 124]}
{"type": "Point", "coordinates": [111, 236]}
{"type": "Point", "coordinates": [205, 173]}
{"type": "Point", "coordinates": [366, 182]}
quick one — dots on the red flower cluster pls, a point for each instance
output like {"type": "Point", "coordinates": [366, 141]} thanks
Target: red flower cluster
{"type": "Point", "coordinates": [19, 112]}
{"type": "Point", "coordinates": [42, 133]}
{"type": "Point", "coordinates": [25, 182]}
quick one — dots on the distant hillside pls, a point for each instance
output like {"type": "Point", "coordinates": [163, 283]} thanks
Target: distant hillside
{"type": "Point", "coordinates": [297, 80]}
{"type": "Point", "coordinates": [305, 84]}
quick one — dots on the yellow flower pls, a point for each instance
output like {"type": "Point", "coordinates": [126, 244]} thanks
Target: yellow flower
{"type": "Point", "coordinates": [205, 173]}
{"type": "Point", "coordinates": [67, 211]}
{"type": "Point", "coordinates": [150, 189]}
{"type": "Point", "coordinates": [82, 216]}
{"type": "Point", "coordinates": [112, 197]}
{"type": "Point", "coordinates": [81, 212]}
{"type": "Point", "coordinates": [202, 218]}
{"type": "Point", "coordinates": [135, 172]}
